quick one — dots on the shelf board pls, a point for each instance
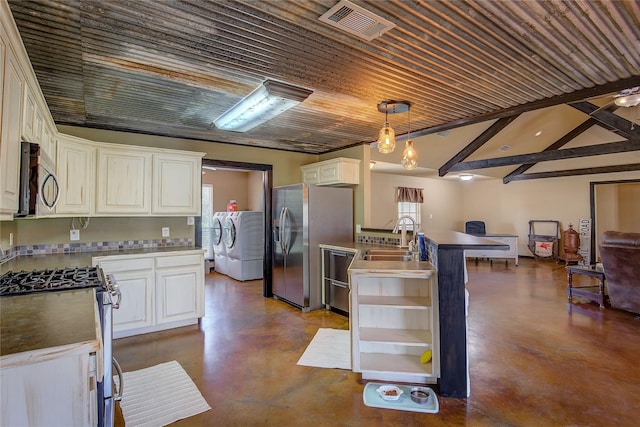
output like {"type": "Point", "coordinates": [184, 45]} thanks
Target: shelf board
{"type": "Point", "coordinates": [412, 337]}
{"type": "Point", "coordinates": [405, 302]}
{"type": "Point", "coordinates": [394, 363]}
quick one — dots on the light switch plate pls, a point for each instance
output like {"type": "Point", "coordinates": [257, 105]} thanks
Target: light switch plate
{"type": "Point", "coordinates": [10, 239]}
{"type": "Point", "coordinates": [165, 231]}
{"type": "Point", "coordinates": [190, 220]}
{"type": "Point", "coordinates": [74, 235]}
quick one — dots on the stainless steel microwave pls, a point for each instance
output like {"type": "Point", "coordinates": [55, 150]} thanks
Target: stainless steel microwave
{"type": "Point", "coordinates": [39, 187]}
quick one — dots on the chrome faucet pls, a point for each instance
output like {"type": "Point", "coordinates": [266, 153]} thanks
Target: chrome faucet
{"type": "Point", "coordinates": [401, 224]}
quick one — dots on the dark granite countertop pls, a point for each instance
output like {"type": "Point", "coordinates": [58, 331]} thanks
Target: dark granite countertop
{"type": "Point", "coordinates": [77, 259]}
{"type": "Point", "coordinates": [457, 240]}
{"type": "Point", "coordinates": [38, 326]}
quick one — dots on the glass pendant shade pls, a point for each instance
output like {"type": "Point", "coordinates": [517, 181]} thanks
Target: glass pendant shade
{"type": "Point", "coordinates": [386, 139]}
{"type": "Point", "coordinates": [409, 156]}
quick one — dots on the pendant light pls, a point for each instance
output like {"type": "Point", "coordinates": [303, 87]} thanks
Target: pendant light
{"type": "Point", "coordinates": [409, 156]}
{"type": "Point", "coordinates": [386, 137]}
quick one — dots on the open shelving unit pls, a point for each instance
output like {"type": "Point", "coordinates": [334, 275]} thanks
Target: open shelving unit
{"type": "Point", "coordinates": [393, 321]}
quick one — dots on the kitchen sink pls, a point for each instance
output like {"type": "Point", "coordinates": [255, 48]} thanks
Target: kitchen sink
{"type": "Point", "coordinates": [387, 255]}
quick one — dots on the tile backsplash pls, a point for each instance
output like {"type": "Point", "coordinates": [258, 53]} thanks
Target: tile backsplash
{"type": "Point", "coordinates": [62, 248]}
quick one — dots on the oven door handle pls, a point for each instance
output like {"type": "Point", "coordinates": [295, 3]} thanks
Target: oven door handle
{"type": "Point", "coordinates": [114, 290]}
{"type": "Point", "coordinates": [117, 396]}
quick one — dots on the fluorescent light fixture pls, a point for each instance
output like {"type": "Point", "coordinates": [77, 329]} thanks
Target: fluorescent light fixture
{"type": "Point", "coordinates": [264, 103]}
{"type": "Point", "coordinates": [466, 177]}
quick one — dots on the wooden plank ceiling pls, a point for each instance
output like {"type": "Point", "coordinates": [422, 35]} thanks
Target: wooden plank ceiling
{"type": "Point", "coordinates": [171, 67]}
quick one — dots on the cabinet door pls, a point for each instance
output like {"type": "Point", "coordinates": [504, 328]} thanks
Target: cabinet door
{"type": "Point", "coordinates": [52, 392]}
{"type": "Point", "coordinates": [123, 181]}
{"type": "Point", "coordinates": [75, 167]}
{"type": "Point", "coordinates": [310, 174]}
{"type": "Point", "coordinates": [136, 308]}
{"type": "Point", "coordinates": [179, 293]}
{"type": "Point", "coordinates": [12, 98]}
{"type": "Point", "coordinates": [176, 185]}
{"type": "Point", "coordinates": [28, 115]}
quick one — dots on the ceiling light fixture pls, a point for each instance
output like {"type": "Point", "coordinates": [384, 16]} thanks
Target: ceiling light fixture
{"type": "Point", "coordinates": [466, 177]}
{"type": "Point", "coordinates": [628, 100]}
{"type": "Point", "coordinates": [264, 103]}
{"type": "Point", "coordinates": [409, 155]}
{"type": "Point", "coordinates": [387, 136]}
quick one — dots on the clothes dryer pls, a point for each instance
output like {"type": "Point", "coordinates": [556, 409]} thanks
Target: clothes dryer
{"type": "Point", "coordinates": [219, 248]}
{"type": "Point", "coordinates": [243, 236]}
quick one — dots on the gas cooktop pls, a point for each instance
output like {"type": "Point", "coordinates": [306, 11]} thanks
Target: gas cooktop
{"type": "Point", "coordinates": [26, 282]}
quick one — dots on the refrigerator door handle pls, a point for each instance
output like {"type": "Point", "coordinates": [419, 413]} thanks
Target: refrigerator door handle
{"type": "Point", "coordinates": [286, 230]}
{"type": "Point", "coordinates": [281, 230]}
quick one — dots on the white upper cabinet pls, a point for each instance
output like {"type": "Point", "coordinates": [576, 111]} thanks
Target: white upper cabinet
{"type": "Point", "coordinates": [176, 184]}
{"type": "Point", "coordinates": [339, 171]}
{"type": "Point", "coordinates": [123, 181]}
{"type": "Point", "coordinates": [76, 163]}
{"type": "Point", "coordinates": [12, 92]}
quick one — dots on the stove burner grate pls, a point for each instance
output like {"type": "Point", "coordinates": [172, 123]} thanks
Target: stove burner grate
{"type": "Point", "coordinates": [25, 282]}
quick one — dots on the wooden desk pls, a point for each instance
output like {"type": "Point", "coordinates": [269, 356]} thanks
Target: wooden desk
{"type": "Point", "coordinates": [592, 293]}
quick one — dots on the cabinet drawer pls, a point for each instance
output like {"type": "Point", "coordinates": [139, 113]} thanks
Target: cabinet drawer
{"type": "Point", "coordinates": [179, 260]}
{"type": "Point", "coordinates": [126, 264]}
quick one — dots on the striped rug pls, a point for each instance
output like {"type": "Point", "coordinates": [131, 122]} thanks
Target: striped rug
{"type": "Point", "coordinates": [329, 348]}
{"type": "Point", "coordinates": [159, 395]}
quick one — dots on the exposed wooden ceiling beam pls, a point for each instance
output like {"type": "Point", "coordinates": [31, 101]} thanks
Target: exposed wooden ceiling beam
{"type": "Point", "coordinates": [567, 98]}
{"type": "Point", "coordinates": [568, 137]}
{"type": "Point", "coordinates": [546, 156]}
{"type": "Point", "coordinates": [575, 172]}
{"type": "Point", "coordinates": [621, 126]}
{"type": "Point", "coordinates": [482, 139]}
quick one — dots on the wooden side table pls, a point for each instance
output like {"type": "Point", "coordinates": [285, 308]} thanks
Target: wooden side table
{"type": "Point", "coordinates": [592, 293]}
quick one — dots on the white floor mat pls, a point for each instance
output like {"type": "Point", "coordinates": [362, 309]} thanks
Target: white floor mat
{"type": "Point", "coordinates": [329, 348]}
{"type": "Point", "coordinates": [160, 395]}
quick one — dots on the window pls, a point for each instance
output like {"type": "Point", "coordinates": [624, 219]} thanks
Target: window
{"type": "Point", "coordinates": [412, 210]}
{"type": "Point", "coordinates": [409, 201]}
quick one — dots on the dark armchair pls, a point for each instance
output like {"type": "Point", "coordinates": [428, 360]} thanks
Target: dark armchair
{"type": "Point", "coordinates": [620, 253]}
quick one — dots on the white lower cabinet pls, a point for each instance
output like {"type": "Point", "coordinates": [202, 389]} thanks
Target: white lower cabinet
{"type": "Point", "coordinates": [394, 320]}
{"type": "Point", "coordinates": [160, 291]}
{"type": "Point", "coordinates": [61, 391]}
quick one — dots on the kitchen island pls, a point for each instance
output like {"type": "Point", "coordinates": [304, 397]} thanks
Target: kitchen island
{"type": "Point", "coordinates": [394, 321]}
{"type": "Point", "coordinates": [446, 252]}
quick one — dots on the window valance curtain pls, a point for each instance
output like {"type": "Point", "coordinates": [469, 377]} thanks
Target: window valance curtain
{"type": "Point", "coordinates": [411, 195]}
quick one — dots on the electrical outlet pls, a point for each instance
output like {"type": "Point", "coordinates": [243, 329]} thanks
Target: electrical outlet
{"type": "Point", "coordinates": [165, 231]}
{"type": "Point", "coordinates": [10, 239]}
{"type": "Point", "coordinates": [190, 220]}
{"type": "Point", "coordinates": [74, 235]}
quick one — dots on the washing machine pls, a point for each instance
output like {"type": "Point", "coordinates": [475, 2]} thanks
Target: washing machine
{"type": "Point", "coordinates": [243, 236]}
{"type": "Point", "coordinates": [219, 248]}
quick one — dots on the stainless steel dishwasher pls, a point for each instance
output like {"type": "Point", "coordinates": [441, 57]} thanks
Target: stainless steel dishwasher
{"type": "Point", "coordinates": [336, 279]}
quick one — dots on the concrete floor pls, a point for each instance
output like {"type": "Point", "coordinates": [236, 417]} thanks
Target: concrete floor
{"type": "Point", "coordinates": [535, 359]}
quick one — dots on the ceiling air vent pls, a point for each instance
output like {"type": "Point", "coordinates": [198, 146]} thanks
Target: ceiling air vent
{"type": "Point", "coordinates": [356, 20]}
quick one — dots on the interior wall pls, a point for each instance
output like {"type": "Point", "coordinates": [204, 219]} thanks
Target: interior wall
{"type": "Point", "coordinates": [629, 207]}
{"type": "Point", "coordinates": [508, 208]}
{"type": "Point", "coordinates": [255, 191]}
{"type": "Point", "coordinates": [228, 185]}
{"type": "Point", "coordinates": [6, 228]}
{"type": "Point", "coordinates": [47, 231]}
{"type": "Point", "coordinates": [441, 210]}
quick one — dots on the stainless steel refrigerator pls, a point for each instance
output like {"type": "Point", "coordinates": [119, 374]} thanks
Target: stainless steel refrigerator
{"type": "Point", "coordinates": [304, 217]}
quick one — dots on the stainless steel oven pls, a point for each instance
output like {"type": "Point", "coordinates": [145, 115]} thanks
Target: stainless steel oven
{"type": "Point", "coordinates": [336, 279]}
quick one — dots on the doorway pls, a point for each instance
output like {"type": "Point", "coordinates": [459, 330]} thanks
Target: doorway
{"type": "Point", "coordinates": [267, 184]}
{"type": "Point", "coordinates": [614, 206]}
